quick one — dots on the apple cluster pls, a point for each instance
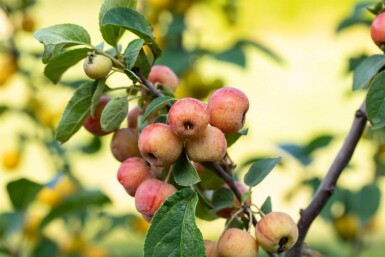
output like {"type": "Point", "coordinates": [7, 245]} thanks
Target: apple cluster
{"type": "Point", "coordinates": [275, 232]}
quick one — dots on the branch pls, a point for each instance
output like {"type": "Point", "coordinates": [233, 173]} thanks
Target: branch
{"type": "Point", "coordinates": [327, 186]}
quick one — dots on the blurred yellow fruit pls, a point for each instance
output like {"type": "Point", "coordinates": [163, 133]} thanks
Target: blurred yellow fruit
{"type": "Point", "coordinates": [49, 196]}
{"type": "Point", "coordinates": [8, 66]}
{"type": "Point", "coordinates": [65, 186]}
{"type": "Point", "coordinates": [347, 226]}
{"type": "Point", "coordinates": [140, 225]}
{"type": "Point", "coordinates": [11, 159]}
{"type": "Point", "coordinates": [94, 251]}
{"type": "Point", "coordinates": [373, 224]}
{"type": "Point", "coordinates": [47, 117]}
{"type": "Point", "coordinates": [159, 3]}
{"type": "Point", "coordinates": [76, 244]}
{"type": "Point", "coordinates": [28, 24]}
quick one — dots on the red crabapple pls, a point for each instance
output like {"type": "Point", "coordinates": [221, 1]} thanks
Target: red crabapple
{"type": "Point", "coordinates": [150, 195]}
{"type": "Point", "coordinates": [132, 117]}
{"type": "Point", "coordinates": [211, 248]}
{"type": "Point", "coordinates": [209, 147]}
{"type": "Point", "coordinates": [227, 107]}
{"type": "Point", "coordinates": [93, 124]}
{"type": "Point", "coordinates": [97, 66]}
{"type": "Point", "coordinates": [377, 30]}
{"type": "Point", "coordinates": [124, 144]}
{"type": "Point", "coordinates": [276, 232]}
{"type": "Point", "coordinates": [188, 117]}
{"type": "Point", "coordinates": [132, 172]}
{"type": "Point", "coordinates": [163, 75]}
{"type": "Point", "coordinates": [236, 242]}
{"type": "Point", "coordinates": [159, 145]}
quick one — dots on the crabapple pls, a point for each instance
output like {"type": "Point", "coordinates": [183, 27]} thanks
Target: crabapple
{"type": "Point", "coordinates": [132, 117]}
{"type": "Point", "coordinates": [276, 232]}
{"type": "Point", "coordinates": [377, 30]}
{"type": "Point", "coordinates": [92, 124]}
{"type": "Point", "coordinates": [150, 195]}
{"type": "Point", "coordinates": [347, 226]}
{"type": "Point", "coordinates": [211, 248]}
{"type": "Point", "coordinates": [209, 147]}
{"type": "Point", "coordinates": [159, 145]}
{"type": "Point", "coordinates": [227, 107]}
{"type": "Point", "coordinates": [163, 75]}
{"type": "Point", "coordinates": [124, 144]}
{"type": "Point", "coordinates": [236, 242]}
{"type": "Point", "coordinates": [132, 172]}
{"type": "Point", "coordinates": [97, 66]}
{"type": "Point", "coordinates": [188, 117]}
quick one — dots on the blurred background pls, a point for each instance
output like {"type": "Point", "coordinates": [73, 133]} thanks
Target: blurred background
{"type": "Point", "coordinates": [293, 58]}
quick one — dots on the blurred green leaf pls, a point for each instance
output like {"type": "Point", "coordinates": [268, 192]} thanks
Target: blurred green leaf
{"type": "Point", "coordinates": [233, 55]}
{"type": "Point", "coordinates": [367, 70]}
{"type": "Point", "coordinates": [111, 34]}
{"type": "Point", "coordinates": [264, 49]}
{"type": "Point", "coordinates": [114, 113]}
{"type": "Point", "coordinates": [58, 37]}
{"type": "Point", "coordinates": [355, 61]}
{"type": "Point", "coordinates": [157, 104]}
{"type": "Point", "coordinates": [184, 172]}
{"type": "Point", "coordinates": [61, 63]}
{"type": "Point", "coordinates": [357, 17]}
{"type": "Point", "coordinates": [173, 231]}
{"type": "Point", "coordinates": [222, 198]}
{"type": "Point", "coordinates": [93, 146]}
{"type": "Point", "coordinates": [45, 248]}
{"type": "Point", "coordinates": [266, 207]}
{"type": "Point", "coordinates": [132, 51]}
{"type": "Point", "coordinates": [22, 192]}
{"type": "Point", "coordinates": [233, 137]}
{"type": "Point", "coordinates": [317, 143]}
{"type": "Point", "coordinates": [133, 21]}
{"type": "Point", "coordinates": [375, 102]}
{"type": "Point", "coordinates": [75, 113]}
{"type": "Point", "coordinates": [370, 200]}
{"type": "Point", "coordinates": [11, 222]}
{"type": "Point", "coordinates": [3, 109]}
{"type": "Point", "coordinates": [75, 203]}
{"type": "Point", "coordinates": [259, 170]}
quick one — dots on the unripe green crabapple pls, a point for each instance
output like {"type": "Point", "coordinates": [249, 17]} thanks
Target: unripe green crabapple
{"type": "Point", "coordinates": [97, 66]}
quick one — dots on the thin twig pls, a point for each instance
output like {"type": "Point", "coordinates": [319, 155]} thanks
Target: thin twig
{"type": "Point", "coordinates": [327, 186]}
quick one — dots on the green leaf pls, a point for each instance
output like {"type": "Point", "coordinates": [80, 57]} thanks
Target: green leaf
{"type": "Point", "coordinates": [367, 70]}
{"type": "Point", "coordinates": [22, 192]}
{"type": "Point", "coordinates": [74, 204]}
{"type": "Point", "coordinates": [233, 137]}
{"type": "Point", "coordinates": [114, 113]}
{"type": "Point", "coordinates": [3, 109]}
{"type": "Point", "coordinates": [111, 34]}
{"type": "Point", "coordinates": [317, 143]}
{"type": "Point", "coordinates": [132, 52]}
{"type": "Point", "coordinates": [142, 63]}
{"type": "Point", "coordinates": [96, 96]}
{"type": "Point", "coordinates": [173, 231]}
{"type": "Point", "coordinates": [266, 207]}
{"type": "Point", "coordinates": [156, 104]}
{"type": "Point", "coordinates": [133, 21]}
{"type": "Point", "coordinates": [222, 198]}
{"type": "Point", "coordinates": [61, 63]}
{"type": "Point", "coordinates": [184, 172]}
{"type": "Point", "coordinates": [369, 200]}
{"type": "Point", "coordinates": [75, 113]}
{"type": "Point", "coordinates": [58, 37]}
{"type": "Point", "coordinates": [375, 102]}
{"type": "Point", "coordinates": [259, 170]}
{"type": "Point", "coordinates": [210, 180]}
{"type": "Point", "coordinates": [46, 248]}
{"type": "Point", "coordinates": [93, 146]}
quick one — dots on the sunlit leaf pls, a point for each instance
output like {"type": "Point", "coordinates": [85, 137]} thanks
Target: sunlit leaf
{"type": "Point", "coordinates": [184, 172]}
{"type": "Point", "coordinates": [157, 104]}
{"type": "Point", "coordinates": [132, 52]}
{"type": "Point", "coordinates": [375, 102]}
{"type": "Point", "coordinates": [368, 68]}
{"type": "Point", "coordinates": [259, 170]}
{"type": "Point", "coordinates": [114, 113]}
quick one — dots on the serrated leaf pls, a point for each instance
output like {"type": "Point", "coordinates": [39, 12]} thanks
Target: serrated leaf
{"type": "Point", "coordinates": [75, 113]}
{"type": "Point", "coordinates": [75, 203]}
{"type": "Point", "coordinates": [173, 231]}
{"type": "Point", "coordinates": [367, 70]}
{"type": "Point", "coordinates": [156, 104]}
{"type": "Point", "coordinates": [369, 201]}
{"type": "Point", "coordinates": [22, 192]}
{"type": "Point", "coordinates": [133, 21]}
{"type": "Point", "coordinates": [375, 102]}
{"type": "Point", "coordinates": [259, 170]}
{"type": "Point", "coordinates": [222, 198]}
{"type": "Point", "coordinates": [233, 137]}
{"type": "Point", "coordinates": [58, 65]}
{"type": "Point", "coordinates": [184, 172]}
{"type": "Point", "coordinates": [266, 207]}
{"type": "Point", "coordinates": [96, 96]}
{"type": "Point", "coordinates": [111, 34]}
{"type": "Point", "coordinates": [58, 37]}
{"type": "Point", "coordinates": [132, 51]}
{"type": "Point", "coordinates": [114, 113]}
